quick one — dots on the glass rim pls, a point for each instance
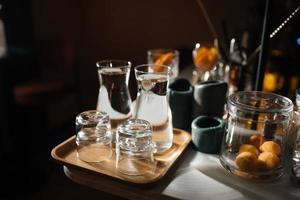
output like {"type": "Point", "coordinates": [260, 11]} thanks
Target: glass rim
{"type": "Point", "coordinates": [91, 116]}
{"type": "Point", "coordinates": [233, 102]}
{"type": "Point", "coordinates": [122, 63]}
{"type": "Point", "coordinates": [156, 51]}
{"type": "Point", "coordinates": [199, 45]}
{"type": "Point", "coordinates": [168, 71]}
{"type": "Point", "coordinates": [124, 126]}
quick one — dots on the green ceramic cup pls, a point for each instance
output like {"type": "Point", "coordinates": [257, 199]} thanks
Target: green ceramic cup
{"type": "Point", "coordinates": [180, 96]}
{"type": "Point", "coordinates": [207, 134]}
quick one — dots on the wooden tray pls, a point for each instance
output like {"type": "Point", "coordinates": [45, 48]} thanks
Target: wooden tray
{"type": "Point", "coordinates": [65, 153]}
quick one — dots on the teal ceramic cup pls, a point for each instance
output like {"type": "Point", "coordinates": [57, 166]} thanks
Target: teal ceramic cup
{"type": "Point", "coordinates": [207, 134]}
{"type": "Point", "coordinates": [180, 94]}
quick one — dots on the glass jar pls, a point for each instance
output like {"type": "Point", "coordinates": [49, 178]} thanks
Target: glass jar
{"type": "Point", "coordinates": [256, 137]}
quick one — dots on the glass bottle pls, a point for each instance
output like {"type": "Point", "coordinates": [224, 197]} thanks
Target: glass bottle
{"type": "Point", "coordinates": [152, 104]}
{"type": "Point", "coordinates": [296, 137]}
{"type": "Point", "coordinates": [274, 76]}
{"type": "Point", "coordinates": [114, 97]}
{"type": "Point", "coordinates": [237, 67]}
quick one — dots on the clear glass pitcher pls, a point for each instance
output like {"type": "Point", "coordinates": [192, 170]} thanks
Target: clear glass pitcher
{"type": "Point", "coordinates": [114, 97]}
{"type": "Point", "coordinates": [152, 104]}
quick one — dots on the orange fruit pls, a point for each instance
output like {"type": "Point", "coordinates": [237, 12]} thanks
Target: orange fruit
{"type": "Point", "coordinates": [206, 58]}
{"type": "Point", "coordinates": [260, 166]}
{"type": "Point", "coordinates": [246, 161]}
{"type": "Point", "coordinates": [257, 140]}
{"type": "Point", "coordinates": [249, 148]}
{"type": "Point", "coordinates": [270, 146]}
{"type": "Point", "coordinates": [270, 159]}
{"type": "Point", "coordinates": [164, 59]}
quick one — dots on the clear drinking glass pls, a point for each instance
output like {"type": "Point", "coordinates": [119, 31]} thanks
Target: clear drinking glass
{"type": "Point", "coordinates": [152, 104]}
{"type": "Point", "coordinates": [169, 57]}
{"type": "Point", "coordinates": [134, 147]}
{"type": "Point", "coordinates": [205, 57]}
{"type": "Point", "coordinates": [257, 133]}
{"type": "Point", "coordinates": [93, 136]}
{"type": "Point", "coordinates": [114, 97]}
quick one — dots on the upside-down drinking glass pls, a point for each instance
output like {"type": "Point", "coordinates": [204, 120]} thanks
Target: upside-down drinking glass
{"type": "Point", "coordinates": [93, 136]}
{"type": "Point", "coordinates": [134, 148]}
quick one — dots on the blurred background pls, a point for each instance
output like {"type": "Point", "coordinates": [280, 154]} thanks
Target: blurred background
{"type": "Point", "coordinates": [48, 51]}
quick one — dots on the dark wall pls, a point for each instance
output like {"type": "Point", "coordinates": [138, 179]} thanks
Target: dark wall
{"type": "Point", "coordinates": [126, 29]}
{"type": "Point", "coordinates": [18, 19]}
{"type": "Point", "coordinates": [91, 30]}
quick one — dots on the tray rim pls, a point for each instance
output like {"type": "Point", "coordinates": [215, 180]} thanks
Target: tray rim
{"type": "Point", "coordinates": [64, 162]}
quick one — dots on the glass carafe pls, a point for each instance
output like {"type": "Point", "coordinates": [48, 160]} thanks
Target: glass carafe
{"type": "Point", "coordinates": [114, 97]}
{"type": "Point", "coordinates": [152, 104]}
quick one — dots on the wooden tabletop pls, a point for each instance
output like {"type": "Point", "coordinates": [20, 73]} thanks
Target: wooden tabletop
{"type": "Point", "coordinates": [195, 176]}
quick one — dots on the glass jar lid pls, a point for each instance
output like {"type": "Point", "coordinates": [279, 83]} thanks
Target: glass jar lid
{"type": "Point", "coordinates": [256, 102]}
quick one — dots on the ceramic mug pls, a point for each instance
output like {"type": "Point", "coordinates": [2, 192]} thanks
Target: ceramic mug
{"type": "Point", "coordinates": [209, 98]}
{"type": "Point", "coordinates": [180, 96]}
{"type": "Point", "coordinates": [207, 134]}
